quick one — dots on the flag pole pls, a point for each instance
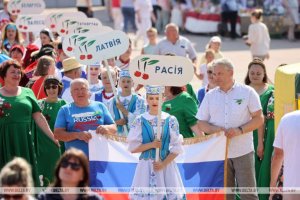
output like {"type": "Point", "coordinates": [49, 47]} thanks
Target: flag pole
{"type": "Point", "coordinates": [226, 167]}
{"type": "Point", "coordinates": [158, 135]}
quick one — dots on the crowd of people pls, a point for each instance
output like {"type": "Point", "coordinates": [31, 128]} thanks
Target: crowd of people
{"type": "Point", "coordinates": [161, 12]}
{"type": "Point", "coordinates": [49, 102]}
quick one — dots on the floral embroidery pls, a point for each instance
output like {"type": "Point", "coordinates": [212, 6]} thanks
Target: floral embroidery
{"type": "Point", "coordinates": [4, 106]}
{"type": "Point", "coordinates": [168, 107]}
{"type": "Point", "coordinates": [270, 108]}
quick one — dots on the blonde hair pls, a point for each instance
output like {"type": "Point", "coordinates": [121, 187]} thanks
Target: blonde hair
{"type": "Point", "coordinates": [152, 30]}
{"type": "Point", "coordinates": [207, 51]}
{"type": "Point", "coordinates": [18, 37]}
{"type": "Point", "coordinates": [257, 13]}
{"type": "Point", "coordinates": [16, 172]}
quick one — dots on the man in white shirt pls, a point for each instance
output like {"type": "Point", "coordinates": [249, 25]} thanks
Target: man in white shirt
{"type": "Point", "coordinates": [173, 43]}
{"type": "Point", "coordinates": [286, 150]}
{"type": "Point", "coordinates": [236, 110]}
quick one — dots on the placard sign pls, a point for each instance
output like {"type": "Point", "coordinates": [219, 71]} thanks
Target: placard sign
{"type": "Point", "coordinates": [16, 7]}
{"type": "Point", "coordinates": [97, 48]}
{"type": "Point", "coordinates": [161, 70]}
{"type": "Point", "coordinates": [66, 25]}
{"type": "Point", "coordinates": [31, 23]}
{"type": "Point", "coordinates": [72, 40]}
{"type": "Point", "coordinates": [53, 18]}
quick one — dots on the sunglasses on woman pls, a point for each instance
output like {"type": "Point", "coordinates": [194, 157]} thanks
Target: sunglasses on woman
{"type": "Point", "coordinates": [48, 87]}
{"type": "Point", "coordinates": [74, 166]}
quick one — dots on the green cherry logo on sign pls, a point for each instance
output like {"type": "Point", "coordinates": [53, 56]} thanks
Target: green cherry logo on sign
{"type": "Point", "coordinates": [138, 73]}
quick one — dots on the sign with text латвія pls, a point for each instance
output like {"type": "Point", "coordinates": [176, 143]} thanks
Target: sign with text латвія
{"type": "Point", "coordinates": [108, 45]}
{"type": "Point", "coordinates": [73, 40]}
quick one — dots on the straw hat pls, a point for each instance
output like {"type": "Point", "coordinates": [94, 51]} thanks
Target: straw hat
{"type": "Point", "coordinates": [70, 64]}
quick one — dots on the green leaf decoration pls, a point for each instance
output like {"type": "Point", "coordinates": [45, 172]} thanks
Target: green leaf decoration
{"type": "Point", "coordinates": [23, 18]}
{"type": "Point", "coordinates": [91, 42]}
{"type": "Point", "coordinates": [74, 36]}
{"type": "Point", "coordinates": [83, 43]}
{"type": "Point", "coordinates": [78, 28]}
{"type": "Point", "coordinates": [29, 18]}
{"type": "Point", "coordinates": [152, 62]}
{"type": "Point", "coordinates": [53, 16]}
{"type": "Point", "coordinates": [81, 38]}
{"type": "Point", "coordinates": [144, 59]}
{"type": "Point", "coordinates": [58, 16]}
{"type": "Point", "coordinates": [73, 22]}
{"type": "Point", "coordinates": [84, 30]}
{"type": "Point", "coordinates": [67, 20]}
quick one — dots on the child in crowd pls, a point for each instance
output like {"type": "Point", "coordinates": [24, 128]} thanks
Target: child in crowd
{"type": "Point", "coordinates": [209, 57]}
{"type": "Point", "coordinates": [131, 105]}
{"type": "Point", "coordinates": [152, 38]}
{"type": "Point", "coordinates": [93, 77]}
{"type": "Point", "coordinates": [214, 44]}
{"type": "Point", "coordinates": [106, 93]}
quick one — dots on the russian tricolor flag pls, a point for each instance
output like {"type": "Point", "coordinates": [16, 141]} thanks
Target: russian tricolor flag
{"type": "Point", "coordinates": [112, 166]}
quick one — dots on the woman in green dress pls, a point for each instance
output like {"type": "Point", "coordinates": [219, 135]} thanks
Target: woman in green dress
{"type": "Point", "coordinates": [18, 109]}
{"type": "Point", "coordinates": [181, 105]}
{"type": "Point", "coordinates": [47, 153]}
{"type": "Point", "coordinates": [264, 136]}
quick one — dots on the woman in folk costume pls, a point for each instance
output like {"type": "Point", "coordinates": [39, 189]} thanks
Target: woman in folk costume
{"type": "Point", "coordinates": [131, 105]}
{"type": "Point", "coordinates": [142, 138]}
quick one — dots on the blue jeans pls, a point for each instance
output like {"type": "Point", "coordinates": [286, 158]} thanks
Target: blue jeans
{"type": "Point", "coordinates": [129, 17]}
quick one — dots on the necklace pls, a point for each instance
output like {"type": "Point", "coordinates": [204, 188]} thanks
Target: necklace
{"type": "Point", "coordinates": [105, 96]}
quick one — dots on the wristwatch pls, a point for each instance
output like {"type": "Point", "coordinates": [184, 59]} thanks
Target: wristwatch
{"type": "Point", "coordinates": [241, 129]}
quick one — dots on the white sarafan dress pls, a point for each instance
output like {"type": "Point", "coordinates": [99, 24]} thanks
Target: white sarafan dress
{"type": "Point", "coordinates": [166, 183]}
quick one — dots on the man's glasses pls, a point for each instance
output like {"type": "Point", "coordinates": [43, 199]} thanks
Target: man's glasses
{"type": "Point", "coordinates": [48, 87]}
{"type": "Point", "coordinates": [209, 72]}
{"type": "Point", "coordinates": [74, 166]}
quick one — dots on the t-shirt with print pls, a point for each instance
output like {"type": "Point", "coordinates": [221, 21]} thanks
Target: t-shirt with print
{"type": "Point", "coordinates": [78, 119]}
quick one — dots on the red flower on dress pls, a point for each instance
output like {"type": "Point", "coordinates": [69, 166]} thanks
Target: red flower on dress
{"type": "Point", "coordinates": [270, 115]}
{"type": "Point", "coordinates": [4, 106]}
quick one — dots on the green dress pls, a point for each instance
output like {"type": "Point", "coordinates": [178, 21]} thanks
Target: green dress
{"type": "Point", "coordinates": [184, 108]}
{"type": "Point", "coordinates": [47, 152]}
{"type": "Point", "coordinates": [16, 133]}
{"type": "Point", "coordinates": [263, 167]}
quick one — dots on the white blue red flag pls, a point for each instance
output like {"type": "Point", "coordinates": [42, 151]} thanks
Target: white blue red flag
{"type": "Point", "coordinates": [201, 166]}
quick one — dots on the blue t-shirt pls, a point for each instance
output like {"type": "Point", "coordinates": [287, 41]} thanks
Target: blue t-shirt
{"type": "Point", "coordinates": [78, 119]}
